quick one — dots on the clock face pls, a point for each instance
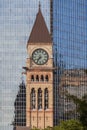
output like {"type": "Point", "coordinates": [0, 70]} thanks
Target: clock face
{"type": "Point", "coordinates": [40, 56]}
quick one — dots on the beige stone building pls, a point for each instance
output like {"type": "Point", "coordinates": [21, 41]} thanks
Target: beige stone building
{"type": "Point", "coordinates": [39, 76]}
{"type": "Point", "coordinates": [46, 103]}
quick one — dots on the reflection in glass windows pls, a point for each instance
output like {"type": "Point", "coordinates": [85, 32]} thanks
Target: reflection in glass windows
{"type": "Point", "coordinates": [70, 54]}
{"type": "Point", "coordinates": [14, 32]}
{"type": "Point", "coordinates": [20, 106]}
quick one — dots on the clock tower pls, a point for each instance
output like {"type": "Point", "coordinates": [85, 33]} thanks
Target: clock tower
{"type": "Point", "coordinates": [39, 76]}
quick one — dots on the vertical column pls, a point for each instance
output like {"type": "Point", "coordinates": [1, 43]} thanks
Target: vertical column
{"type": "Point", "coordinates": [37, 107]}
{"type": "Point", "coordinates": [43, 111]}
{"type": "Point", "coordinates": [28, 112]}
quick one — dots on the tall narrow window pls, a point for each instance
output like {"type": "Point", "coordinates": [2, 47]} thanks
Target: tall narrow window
{"type": "Point", "coordinates": [37, 78]}
{"type": "Point", "coordinates": [39, 98]}
{"type": "Point", "coordinates": [46, 100]}
{"type": "Point", "coordinates": [33, 99]}
{"type": "Point", "coordinates": [42, 78]}
{"type": "Point", "coordinates": [32, 77]}
{"type": "Point", "coordinates": [46, 78]}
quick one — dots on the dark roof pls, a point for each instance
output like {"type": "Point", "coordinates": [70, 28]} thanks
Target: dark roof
{"type": "Point", "coordinates": [39, 33]}
{"type": "Point", "coordinates": [22, 128]}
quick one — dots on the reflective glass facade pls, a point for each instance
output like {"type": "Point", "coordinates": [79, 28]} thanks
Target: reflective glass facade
{"type": "Point", "coordinates": [70, 55]}
{"type": "Point", "coordinates": [16, 21]}
{"type": "Point", "coordinates": [69, 32]}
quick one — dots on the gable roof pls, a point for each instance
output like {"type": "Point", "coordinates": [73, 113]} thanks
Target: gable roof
{"type": "Point", "coordinates": [39, 33]}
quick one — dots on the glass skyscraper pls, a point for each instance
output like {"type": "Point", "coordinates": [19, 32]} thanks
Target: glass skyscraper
{"type": "Point", "coordinates": [70, 54]}
{"type": "Point", "coordinates": [16, 21]}
{"type": "Point", "coordinates": [69, 34]}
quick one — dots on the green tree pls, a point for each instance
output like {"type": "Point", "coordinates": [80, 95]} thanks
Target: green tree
{"type": "Point", "coordinates": [66, 125]}
{"type": "Point", "coordinates": [71, 125]}
{"type": "Point", "coordinates": [57, 128]}
{"type": "Point", "coordinates": [35, 128]}
{"type": "Point", "coordinates": [81, 108]}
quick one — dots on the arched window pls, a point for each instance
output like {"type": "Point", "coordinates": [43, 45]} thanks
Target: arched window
{"type": "Point", "coordinates": [32, 77]}
{"type": "Point", "coordinates": [37, 78]}
{"type": "Point", "coordinates": [42, 78]}
{"type": "Point", "coordinates": [39, 98]}
{"type": "Point", "coordinates": [33, 99]}
{"type": "Point", "coordinates": [46, 100]}
{"type": "Point", "coordinates": [46, 78]}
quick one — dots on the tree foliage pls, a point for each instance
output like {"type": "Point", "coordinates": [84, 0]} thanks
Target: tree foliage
{"type": "Point", "coordinates": [81, 107]}
{"type": "Point", "coordinates": [71, 125]}
{"type": "Point", "coordinates": [66, 125]}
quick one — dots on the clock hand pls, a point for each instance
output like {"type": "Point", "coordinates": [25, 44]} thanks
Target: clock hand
{"type": "Point", "coordinates": [39, 58]}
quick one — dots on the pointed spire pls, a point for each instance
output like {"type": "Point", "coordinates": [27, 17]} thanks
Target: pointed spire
{"type": "Point", "coordinates": [39, 5]}
{"type": "Point", "coordinates": [22, 79]}
{"type": "Point", "coordinates": [39, 33]}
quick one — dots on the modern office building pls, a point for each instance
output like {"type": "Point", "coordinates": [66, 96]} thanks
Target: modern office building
{"type": "Point", "coordinates": [70, 53]}
{"type": "Point", "coordinates": [16, 21]}
{"type": "Point", "coordinates": [69, 33]}
{"type": "Point", "coordinates": [20, 107]}
{"type": "Point", "coordinates": [69, 60]}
